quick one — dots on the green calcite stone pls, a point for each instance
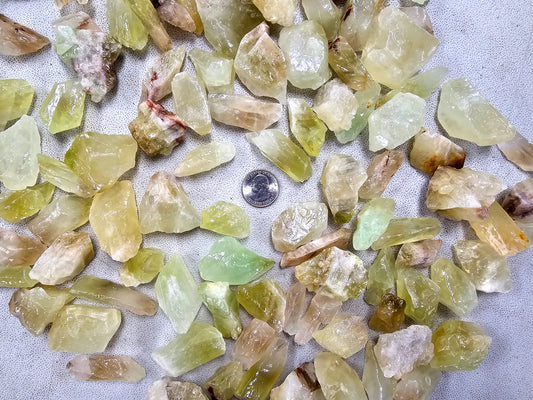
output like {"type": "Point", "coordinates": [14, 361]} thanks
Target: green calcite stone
{"type": "Point", "coordinates": [146, 12]}
{"type": "Point", "coordinates": [229, 261]}
{"type": "Point", "coordinates": [280, 12]}
{"type": "Point", "coordinates": [177, 294]}
{"type": "Point", "coordinates": [16, 250]}
{"type": "Point", "coordinates": [114, 220]}
{"type": "Point", "coordinates": [306, 51]}
{"type": "Point", "coordinates": [264, 300]}
{"type": "Point", "coordinates": [326, 13]}
{"type": "Point", "coordinates": [37, 308]}
{"type": "Point", "coordinates": [157, 82]}
{"type": "Point", "coordinates": [335, 104]}
{"type": "Point", "coordinates": [199, 345]}
{"type": "Point", "coordinates": [61, 176]}
{"type": "Point", "coordinates": [222, 303]}
{"type": "Point", "coordinates": [376, 385]}
{"type": "Point", "coordinates": [16, 97]}
{"type": "Point", "coordinates": [19, 146]}
{"type": "Point", "coordinates": [344, 335]}
{"type": "Point", "coordinates": [381, 276]}
{"type": "Point", "coordinates": [224, 382]}
{"type": "Point", "coordinates": [421, 295]}
{"type": "Point", "coordinates": [407, 230]}
{"type": "Point", "coordinates": [282, 151]}
{"type": "Point", "coordinates": [216, 72]}
{"type": "Point", "coordinates": [63, 108]}
{"type": "Point", "coordinates": [425, 83]}
{"type": "Point", "coordinates": [142, 268]}
{"type": "Point", "coordinates": [306, 127]}
{"type": "Point", "coordinates": [465, 114]}
{"type": "Point", "coordinates": [205, 158]}
{"type": "Point", "coordinates": [418, 384]}
{"type": "Point", "coordinates": [83, 329]}
{"type": "Point", "coordinates": [337, 379]}
{"type": "Point", "coordinates": [372, 222]}
{"type": "Point", "coordinates": [356, 21]}
{"type": "Point", "coordinates": [100, 159]}
{"type": "Point", "coordinates": [15, 206]}
{"type": "Point", "coordinates": [227, 219]}
{"type": "Point", "coordinates": [124, 25]}
{"type": "Point", "coordinates": [457, 292]}
{"type": "Point", "coordinates": [16, 277]}
{"type": "Point", "coordinates": [190, 103]}
{"type": "Point", "coordinates": [347, 65]}
{"type": "Point", "coordinates": [459, 346]}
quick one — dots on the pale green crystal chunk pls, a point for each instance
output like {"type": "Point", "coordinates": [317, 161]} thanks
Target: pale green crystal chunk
{"type": "Point", "coordinates": [105, 368]}
{"type": "Point", "coordinates": [253, 342]}
{"type": "Point", "coordinates": [60, 175]}
{"type": "Point", "coordinates": [16, 96]}
{"type": "Point", "coordinates": [265, 300]}
{"type": "Point", "coordinates": [335, 104]}
{"type": "Point", "coordinates": [418, 384]}
{"type": "Point", "coordinates": [199, 345]}
{"type": "Point", "coordinates": [190, 103]}
{"type": "Point", "coordinates": [149, 18]}
{"type": "Point", "coordinates": [459, 346]}
{"type": "Point", "coordinates": [157, 82]}
{"type": "Point", "coordinates": [168, 389]}
{"type": "Point", "coordinates": [420, 293]}
{"type": "Point", "coordinates": [337, 379]}
{"type": "Point", "coordinates": [222, 303]}
{"type": "Point", "coordinates": [19, 146]}
{"type": "Point", "coordinates": [113, 217]}
{"type": "Point", "coordinates": [356, 19]}
{"type": "Point", "coordinates": [216, 72]}
{"type": "Point", "coordinates": [326, 13]}
{"type": "Point", "coordinates": [16, 277]}
{"type": "Point", "coordinates": [142, 268]}
{"type": "Point", "coordinates": [306, 51]}
{"type": "Point", "coordinates": [280, 12]}
{"type": "Point", "coordinates": [17, 250]}
{"type": "Point", "coordinates": [205, 158]}
{"type": "Point", "coordinates": [345, 335]}
{"type": "Point", "coordinates": [177, 294]}
{"type": "Point", "coordinates": [396, 122]}
{"type": "Point", "coordinates": [425, 83]}
{"type": "Point", "coordinates": [83, 329]}
{"type": "Point", "coordinates": [306, 127]}
{"type": "Point", "coordinates": [224, 382]}
{"type": "Point", "coordinates": [407, 230]}
{"type": "Point", "coordinates": [381, 276]}
{"type": "Point", "coordinates": [15, 206]}
{"type": "Point", "coordinates": [465, 114]}
{"type": "Point", "coordinates": [99, 159]}
{"type": "Point", "coordinates": [372, 222]}
{"type": "Point", "coordinates": [63, 108]}
{"type": "Point", "coordinates": [282, 151]}
{"type": "Point", "coordinates": [376, 385]}
{"type": "Point", "coordinates": [347, 65]}
{"type": "Point", "coordinates": [227, 219]}
{"type": "Point", "coordinates": [125, 26]}
{"type": "Point", "coordinates": [37, 308]}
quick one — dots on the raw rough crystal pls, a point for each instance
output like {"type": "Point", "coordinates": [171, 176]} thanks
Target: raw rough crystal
{"type": "Point", "coordinates": [389, 316]}
{"type": "Point", "coordinates": [299, 224]}
{"type": "Point", "coordinates": [199, 345]}
{"type": "Point", "coordinates": [294, 307]}
{"type": "Point", "coordinates": [215, 72]}
{"type": "Point", "coordinates": [396, 121]}
{"type": "Point", "coordinates": [16, 277]}
{"type": "Point", "coordinates": [142, 268]}
{"type": "Point", "coordinates": [381, 276]}
{"type": "Point", "coordinates": [376, 385]}
{"type": "Point", "coordinates": [418, 254]}
{"type": "Point", "coordinates": [300, 384]}
{"type": "Point", "coordinates": [347, 65]}
{"type": "Point", "coordinates": [306, 51]}
{"type": "Point", "coordinates": [63, 108]}
{"type": "Point", "coordinates": [190, 103]}
{"type": "Point", "coordinates": [253, 343]}
{"type": "Point", "coordinates": [260, 64]}
{"type": "Point", "coordinates": [16, 250]}
{"type": "Point", "coordinates": [518, 150]}
{"type": "Point", "coordinates": [399, 352]}
{"type": "Point", "coordinates": [380, 172]}
{"type": "Point", "coordinates": [282, 151]}
{"type": "Point", "coordinates": [175, 14]}
{"type": "Point", "coordinates": [345, 335]}
{"type": "Point", "coordinates": [16, 97]}
{"type": "Point", "coordinates": [60, 175]}
{"type": "Point", "coordinates": [335, 104]}
{"type": "Point", "coordinates": [83, 329]}
{"type": "Point", "coordinates": [518, 203]}
{"type": "Point", "coordinates": [419, 16]}
{"type": "Point", "coordinates": [19, 146]}
{"type": "Point", "coordinates": [457, 292]}
{"type": "Point", "coordinates": [165, 207]}
{"type": "Point", "coordinates": [223, 384]}
{"type": "Point", "coordinates": [229, 261]}
{"type": "Point", "coordinates": [227, 219]}
{"type": "Point", "coordinates": [157, 82]}
{"type": "Point", "coordinates": [459, 346]}
{"type": "Point", "coordinates": [37, 308]}
{"type": "Point", "coordinates": [15, 206]}
{"type": "Point", "coordinates": [372, 222]}
{"type": "Point", "coordinates": [356, 19]}
{"type": "Point", "coordinates": [17, 40]}
{"type": "Point", "coordinates": [114, 220]}
{"type": "Point", "coordinates": [420, 293]}
{"type": "Point", "coordinates": [149, 18]}
{"type": "Point", "coordinates": [243, 111]}
{"type": "Point", "coordinates": [326, 13]}
{"type": "Point", "coordinates": [265, 300]}
{"type": "Point", "coordinates": [125, 26]}
{"type": "Point", "coordinates": [222, 303]}
{"type": "Point", "coordinates": [418, 384]}
{"type": "Point", "coordinates": [192, 9]}
{"type": "Point", "coordinates": [407, 230]}
{"type": "Point", "coordinates": [392, 62]}
{"type": "Point", "coordinates": [280, 12]}
{"type": "Point", "coordinates": [306, 127]}
{"type": "Point", "coordinates": [205, 158]}
{"type": "Point", "coordinates": [485, 267]}
{"type": "Point", "coordinates": [167, 389]}
{"type": "Point", "coordinates": [66, 257]}
{"type": "Point", "coordinates": [105, 368]}
{"type": "Point", "coordinates": [337, 379]}
{"type": "Point", "coordinates": [177, 294]}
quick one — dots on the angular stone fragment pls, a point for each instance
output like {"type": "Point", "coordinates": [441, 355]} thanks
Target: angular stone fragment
{"type": "Point", "coordinates": [223, 384]}
{"type": "Point", "coordinates": [306, 127]}
{"type": "Point", "coordinates": [177, 294]}
{"type": "Point", "coordinates": [227, 219]}
{"type": "Point", "coordinates": [335, 104]}
{"type": "Point", "coordinates": [199, 345]}
{"type": "Point", "coordinates": [157, 82]}
{"type": "Point", "coordinates": [459, 346]}
{"type": "Point", "coordinates": [326, 13]}
{"type": "Point", "coordinates": [125, 26]}
{"type": "Point", "coordinates": [407, 230]}
{"type": "Point", "coordinates": [229, 261]}
{"type": "Point", "coordinates": [306, 51]}
{"type": "Point", "coordinates": [83, 329]}
{"type": "Point", "coordinates": [337, 379]}
{"type": "Point", "coordinates": [16, 97]}
{"type": "Point", "coordinates": [356, 19]}
{"type": "Point", "coordinates": [431, 150]}
{"type": "Point", "coordinates": [392, 62]}
{"type": "Point", "coordinates": [16, 277]}
{"type": "Point", "coordinates": [37, 308]}
{"type": "Point", "coordinates": [345, 335]}
{"type": "Point", "coordinates": [372, 222]}
{"type": "Point", "coordinates": [253, 343]}
{"type": "Point", "coordinates": [347, 65]}
{"type": "Point", "coordinates": [205, 158]}
{"type": "Point", "coordinates": [190, 103]}
{"type": "Point", "coordinates": [60, 175]}
{"type": "Point", "coordinates": [63, 108]}
{"type": "Point", "coordinates": [175, 14]}
{"type": "Point", "coordinates": [17, 250]}
{"type": "Point", "coordinates": [222, 303]}
{"type": "Point", "coordinates": [518, 150]}
{"type": "Point", "coordinates": [418, 384]}
{"type": "Point", "coordinates": [265, 300]}
{"type": "Point", "coordinates": [389, 315]}
{"type": "Point", "coordinates": [300, 384]}
{"type": "Point", "coordinates": [15, 206]}
{"type": "Point", "coordinates": [192, 10]}
{"type": "Point", "coordinates": [19, 146]}
{"type": "Point", "coordinates": [156, 130]}
{"type": "Point", "coordinates": [167, 389]}
{"type": "Point", "coordinates": [421, 295]}
{"type": "Point", "coordinates": [146, 12]}
{"type": "Point", "coordinates": [280, 12]}
{"type": "Point", "coordinates": [142, 268]}
{"type": "Point", "coordinates": [418, 254]}
{"type": "Point", "coordinates": [376, 385]}
{"type": "Point", "coordinates": [425, 83]}
{"type": "Point", "coordinates": [419, 16]}
{"type": "Point", "coordinates": [114, 220]}
{"type": "Point", "coordinates": [294, 307]}
{"type": "Point", "coordinates": [105, 368]}
{"type": "Point", "coordinates": [215, 72]}
{"type": "Point", "coordinates": [381, 276]}
{"type": "Point", "coordinates": [380, 172]}
{"type": "Point", "coordinates": [518, 203]}
{"type": "Point", "coordinates": [17, 40]}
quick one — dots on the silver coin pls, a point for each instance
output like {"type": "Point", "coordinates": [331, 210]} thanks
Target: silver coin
{"type": "Point", "coordinates": [260, 188]}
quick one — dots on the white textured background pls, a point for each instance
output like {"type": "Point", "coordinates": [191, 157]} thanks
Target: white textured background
{"type": "Point", "coordinates": [487, 42]}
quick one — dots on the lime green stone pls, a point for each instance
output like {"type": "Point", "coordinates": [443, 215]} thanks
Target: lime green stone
{"type": "Point", "coordinates": [144, 9]}
{"type": "Point", "coordinates": [124, 25]}
{"type": "Point", "coordinates": [15, 206]}
{"type": "Point", "coordinates": [421, 295]}
{"type": "Point", "coordinates": [345, 335]}
{"type": "Point", "coordinates": [216, 72]}
{"type": "Point", "coordinates": [381, 276]}
{"type": "Point", "coordinates": [63, 108]}
{"type": "Point", "coordinates": [224, 382]}
{"type": "Point", "coordinates": [190, 102]}
{"type": "Point", "coordinates": [142, 268]}
{"type": "Point", "coordinates": [372, 222]}
{"type": "Point", "coordinates": [337, 379]}
{"type": "Point", "coordinates": [227, 219]}
{"type": "Point", "coordinates": [16, 97]}
{"type": "Point", "coordinates": [306, 127]}
{"type": "Point", "coordinates": [347, 65]}
{"type": "Point", "coordinates": [376, 385]}
{"type": "Point", "coordinates": [222, 303]}
{"type": "Point", "coordinates": [326, 13]}
{"type": "Point", "coordinates": [61, 176]}
{"type": "Point", "coordinates": [16, 277]}
{"type": "Point", "coordinates": [264, 300]}
{"type": "Point", "coordinates": [204, 158]}
{"type": "Point", "coordinates": [407, 230]}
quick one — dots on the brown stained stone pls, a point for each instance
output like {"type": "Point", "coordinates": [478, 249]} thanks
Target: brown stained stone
{"type": "Point", "coordinates": [418, 254]}
{"type": "Point", "coordinates": [389, 315]}
{"type": "Point", "coordinates": [16, 250]}
{"type": "Point", "coordinates": [16, 39]}
{"type": "Point", "coordinates": [519, 151]}
{"type": "Point", "coordinates": [519, 202]}
{"type": "Point", "coordinates": [380, 172]}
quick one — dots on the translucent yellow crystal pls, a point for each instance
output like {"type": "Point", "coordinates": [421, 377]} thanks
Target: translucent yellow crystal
{"type": "Point", "coordinates": [337, 379]}
{"type": "Point", "coordinates": [227, 219]}
{"type": "Point", "coordinates": [265, 300]}
{"type": "Point", "coordinates": [125, 26]}
{"type": "Point", "coordinates": [142, 268]}
{"type": "Point", "coordinates": [16, 96]}
{"type": "Point", "coordinates": [205, 158]}
{"type": "Point", "coordinates": [406, 230]}
{"type": "Point", "coordinates": [190, 103]}
{"type": "Point", "coordinates": [105, 368]}
{"type": "Point", "coordinates": [63, 108]}
{"type": "Point", "coordinates": [306, 127]}
{"type": "Point", "coordinates": [345, 335]}
{"type": "Point", "coordinates": [59, 174]}
{"type": "Point", "coordinates": [420, 293]}
{"type": "Point", "coordinates": [15, 206]}
{"type": "Point", "coordinates": [280, 12]}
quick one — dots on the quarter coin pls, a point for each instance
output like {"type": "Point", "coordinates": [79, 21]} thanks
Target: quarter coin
{"type": "Point", "coordinates": [260, 188]}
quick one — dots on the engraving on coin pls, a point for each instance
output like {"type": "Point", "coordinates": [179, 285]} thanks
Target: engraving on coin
{"type": "Point", "coordinates": [260, 188]}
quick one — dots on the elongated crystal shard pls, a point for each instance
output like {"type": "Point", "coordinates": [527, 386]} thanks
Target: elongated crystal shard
{"type": "Point", "coordinates": [175, 14]}
{"type": "Point", "coordinates": [205, 158]}
{"type": "Point", "coordinates": [306, 127]}
{"type": "Point", "coordinates": [16, 277]}
{"type": "Point", "coordinates": [418, 254]}
{"type": "Point", "coordinates": [376, 385]}
{"type": "Point", "coordinates": [280, 12]}
{"type": "Point", "coordinates": [157, 82]}
{"type": "Point", "coordinates": [60, 175]}
{"type": "Point", "coordinates": [63, 108]}
{"type": "Point", "coordinates": [345, 335]}
{"type": "Point", "coordinates": [294, 307]}
{"type": "Point", "coordinates": [381, 276]}
{"type": "Point", "coordinates": [337, 379]}
{"type": "Point", "coordinates": [356, 19]}
{"type": "Point", "coordinates": [148, 16]}
{"type": "Point", "coordinates": [105, 368]}
{"type": "Point", "coordinates": [190, 103]}
{"type": "Point", "coordinates": [142, 268]}
{"type": "Point", "coordinates": [253, 342]}
{"type": "Point", "coordinates": [347, 65]}
{"type": "Point", "coordinates": [336, 105]}
{"type": "Point", "coordinates": [223, 384]}
{"type": "Point", "coordinates": [125, 26]}
{"type": "Point", "coordinates": [222, 303]}
{"type": "Point", "coordinates": [389, 315]}
{"type": "Point", "coordinates": [380, 172]}
{"type": "Point", "coordinates": [518, 203]}
{"type": "Point", "coordinates": [518, 150]}
{"type": "Point", "coordinates": [216, 72]}
{"type": "Point", "coordinates": [372, 222]}
{"type": "Point", "coordinates": [17, 40]}
{"type": "Point", "coordinates": [421, 295]}
{"type": "Point", "coordinates": [407, 230]}
{"type": "Point", "coordinates": [16, 97]}
{"type": "Point", "coordinates": [17, 250]}
{"type": "Point", "coordinates": [227, 219]}
{"type": "Point", "coordinates": [15, 206]}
